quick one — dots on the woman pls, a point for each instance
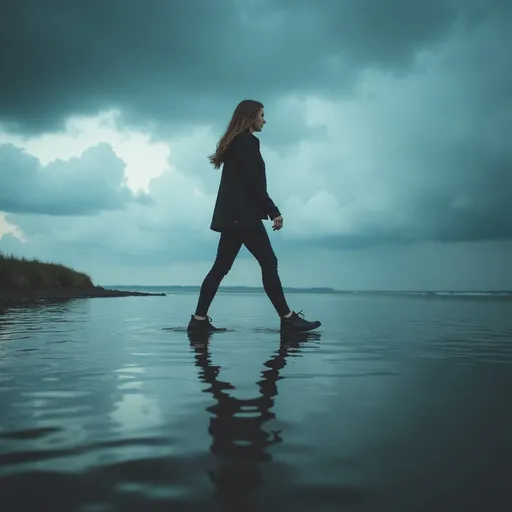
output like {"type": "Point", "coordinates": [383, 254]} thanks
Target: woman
{"type": "Point", "coordinates": [242, 203]}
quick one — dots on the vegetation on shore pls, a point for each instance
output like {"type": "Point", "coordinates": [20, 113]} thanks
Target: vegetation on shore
{"type": "Point", "coordinates": [18, 274]}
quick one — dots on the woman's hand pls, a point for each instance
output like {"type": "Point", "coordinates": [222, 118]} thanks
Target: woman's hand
{"type": "Point", "coordinates": [278, 223]}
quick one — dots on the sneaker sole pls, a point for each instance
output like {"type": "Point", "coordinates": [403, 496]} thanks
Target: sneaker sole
{"type": "Point", "coordinates": [206, 330]}
{"type": "Point", "coordinates": [304, 329]}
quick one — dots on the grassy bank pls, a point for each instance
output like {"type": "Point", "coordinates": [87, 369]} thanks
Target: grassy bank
{"type": "Point", "coordinates": [25, 282]}
{"type": "Point", "coordinates": [18, 274]}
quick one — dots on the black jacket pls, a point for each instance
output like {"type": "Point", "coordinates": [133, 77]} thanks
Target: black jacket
{"type": "Point", "coordinates": [242, 199]}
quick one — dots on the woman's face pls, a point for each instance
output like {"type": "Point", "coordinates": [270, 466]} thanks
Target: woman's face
{"type": "Point", "coordinates": [260, 121]}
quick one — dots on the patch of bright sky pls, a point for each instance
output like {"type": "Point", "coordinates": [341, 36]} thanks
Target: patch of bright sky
{"type": "Point", "coordinates": [145, 159]}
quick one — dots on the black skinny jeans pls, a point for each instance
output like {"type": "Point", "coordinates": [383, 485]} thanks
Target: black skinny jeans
{"type": "Point", "coordinates": [258, 243]}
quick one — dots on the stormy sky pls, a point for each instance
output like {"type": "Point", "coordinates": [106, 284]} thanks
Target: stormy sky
{"type": "Point", "coordinates": [388, 139]}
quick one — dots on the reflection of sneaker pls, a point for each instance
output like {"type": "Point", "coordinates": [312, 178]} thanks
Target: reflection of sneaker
{"type": "Point", "coordinates": [199, 339]}
{"type": "Point", "coordinates": [196, 325]}
{"type": "Point", "coordinates": [297, 322]}
{"type": "Point", "coordinates": [293, 338]}
{"type": "Point", "coordinates": [292, 341]}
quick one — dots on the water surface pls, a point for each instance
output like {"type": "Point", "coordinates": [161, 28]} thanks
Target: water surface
{"type": "Point", "coordinates": [396, 403]}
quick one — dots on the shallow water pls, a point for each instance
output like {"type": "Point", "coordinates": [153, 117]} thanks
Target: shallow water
{"type": "Point", "coordinates": [396, 403]}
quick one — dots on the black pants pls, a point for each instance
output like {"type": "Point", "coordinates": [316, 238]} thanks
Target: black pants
{"type": "Point", "coordinates": [258, 243]}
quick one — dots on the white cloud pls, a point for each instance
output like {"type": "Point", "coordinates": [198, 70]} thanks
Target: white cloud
{"type": "Point", "coordinates": [10, 229]}
{"type": "Point", "coordinates": [145, 159]}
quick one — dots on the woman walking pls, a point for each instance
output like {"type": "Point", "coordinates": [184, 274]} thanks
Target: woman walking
{"type": "Point", "coordinates": [242, 203]}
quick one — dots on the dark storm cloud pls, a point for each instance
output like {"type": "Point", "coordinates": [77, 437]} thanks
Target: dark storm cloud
{"type": "Point", "coordinates": [174, 61]}
{"type": "Point", "coordinates": [80, 186]}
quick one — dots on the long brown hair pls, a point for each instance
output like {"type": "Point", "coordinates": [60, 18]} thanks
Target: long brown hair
{"type": "Point", "coordinates": [244, 115]}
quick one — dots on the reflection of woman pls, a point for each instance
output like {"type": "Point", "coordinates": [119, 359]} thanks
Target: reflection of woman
{"type": "Point", "coordinates": [238, 437]}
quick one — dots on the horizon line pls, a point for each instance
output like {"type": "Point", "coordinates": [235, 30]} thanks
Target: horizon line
{"type": "Point", "coordinates": [330, 288]}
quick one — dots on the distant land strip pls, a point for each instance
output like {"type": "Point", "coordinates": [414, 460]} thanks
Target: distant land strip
{"type": "Point", "coordinates": [321, 290]}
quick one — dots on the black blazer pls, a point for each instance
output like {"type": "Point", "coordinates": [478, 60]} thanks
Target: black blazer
{"type": "Point", "coordinates": [242, 199]}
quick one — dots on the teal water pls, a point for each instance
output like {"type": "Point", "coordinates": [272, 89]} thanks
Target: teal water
{"type": "Point", "coordinates": [396, 403]}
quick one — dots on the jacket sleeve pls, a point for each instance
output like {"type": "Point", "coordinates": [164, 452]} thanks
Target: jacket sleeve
{"type": "Point", "coordinates": [246, 158]}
